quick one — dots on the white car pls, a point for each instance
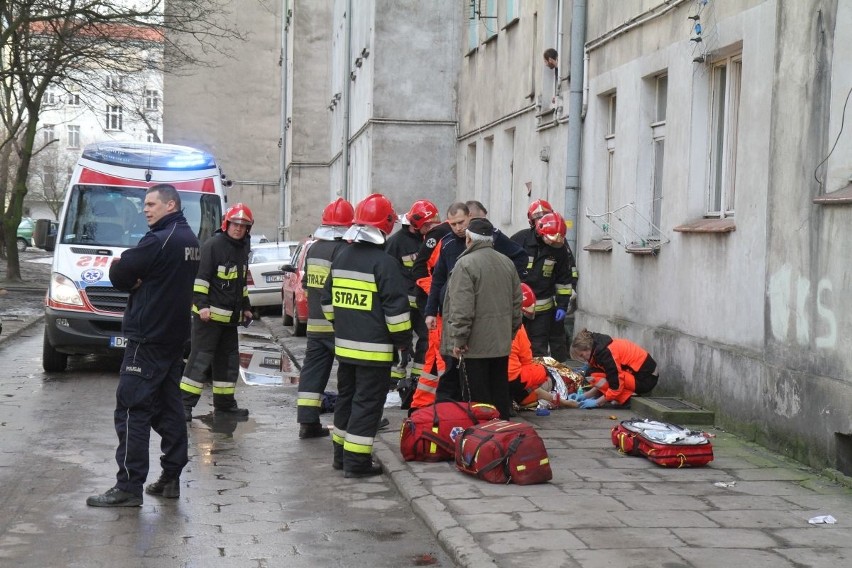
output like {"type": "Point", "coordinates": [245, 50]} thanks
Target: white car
{"type": "Point", "coordinates": [265, 274]}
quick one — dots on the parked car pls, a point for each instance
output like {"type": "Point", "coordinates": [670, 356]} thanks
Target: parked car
{"type": "Point", "coordinates": [258, 239]}
{"type": "Point", "coordinates": [265, 274]}
{"type": "Point", "coordinates": [294, 299]}
{"type": "Point", "coordinates": [25, 233]}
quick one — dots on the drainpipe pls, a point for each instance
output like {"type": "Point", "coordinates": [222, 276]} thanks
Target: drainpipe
{"type": "Point", "coordinates": [575, 120]}
{"type": "Point", "coordinates": [282, 180]}
{"type": "Point", "coordinates": [347, 82]}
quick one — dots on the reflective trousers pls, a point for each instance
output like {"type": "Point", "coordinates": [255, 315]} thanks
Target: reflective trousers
{"type": "Point", "coordinates": [148, 397]}
{"type": "Point", "coordinates": [316, 368]}
{"type": "Point", "coordinates": [215, 357]}
{"type": "Point", "coordinates": [361, 394]}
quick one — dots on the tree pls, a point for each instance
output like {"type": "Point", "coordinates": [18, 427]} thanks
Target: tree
{"type": "Point", "coordinates": [68, 45]}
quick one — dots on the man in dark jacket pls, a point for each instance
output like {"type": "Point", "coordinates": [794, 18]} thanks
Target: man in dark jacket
{"type": "Point", "coordinates": [158, 273]}
{"type": "Point", "coordinates": [220, 304]}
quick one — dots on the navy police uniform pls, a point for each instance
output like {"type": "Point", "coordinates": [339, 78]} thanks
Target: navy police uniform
{"type": "Point", "coordinates": [158, 273]}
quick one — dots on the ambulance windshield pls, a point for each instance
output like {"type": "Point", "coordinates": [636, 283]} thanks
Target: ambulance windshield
{"type": "Point", "coordinates": [99, 215]}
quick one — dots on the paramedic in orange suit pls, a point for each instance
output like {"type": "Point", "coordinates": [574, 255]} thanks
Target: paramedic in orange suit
{"type": "Point", "coordinates": [528, 380]}
{"type": "Point", "coordinates": [627, 369]}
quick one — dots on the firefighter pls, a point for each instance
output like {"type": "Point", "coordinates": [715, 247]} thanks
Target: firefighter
{"type": "Point", "coordinates": [366, 299]}
{"type": "Point", "coordinates": [319, 353]}
{"type": "Point", "coordinates": [404, 246]}
{"type": "Point", "coordinates": [220, 304]}
{"type": "Point", "coordinates": [551, 275]}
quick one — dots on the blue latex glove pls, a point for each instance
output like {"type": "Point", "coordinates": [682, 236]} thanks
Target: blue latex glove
{"type": "Point", "coordinates": [589, 403]}
{"type": "Point", "coordinates": [559, 315]}
{"type": "Point", "coordinates": [575, 396]}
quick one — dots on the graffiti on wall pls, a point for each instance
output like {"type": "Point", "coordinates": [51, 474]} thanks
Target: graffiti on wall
{"type": "Point", "coordinates": [791, 298]}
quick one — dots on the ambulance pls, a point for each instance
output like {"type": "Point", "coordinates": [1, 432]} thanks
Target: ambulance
{"type": "Point", "coordinates": [102, 216]}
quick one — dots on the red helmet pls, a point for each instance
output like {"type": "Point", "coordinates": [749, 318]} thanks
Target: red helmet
{"type": "Point", "coordinates": [239, 214]}
{"type": "Point", "coordinates": [422, 212]}
{"type": "Point", "coordinates": [538, 208]}
{"type": "Point", "coordinates": [376, 210]}
{"type": "Point", "coordinates": [528, 302]}
{"type": "Point", "coordinates": [551, 228]}
{"type": "Point", "coordinates": [338, 213]}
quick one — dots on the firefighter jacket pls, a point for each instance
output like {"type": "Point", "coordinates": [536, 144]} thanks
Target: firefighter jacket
{"type": "Point", "coordinates": [404, 246]}
{"type": "Point", "coordinates": [318, 261]}
{"type": "Point", "coordinates": [422, 266]}
{"type": "Point", "coordinates": [451, 247]}
{"type": "Point", "coordinates": [365, 298]}
{"type": "Point", "coordinates": [220, 284]}
{"type": "Point", "coordinates": [163, 265]}
{"type": "Point", "coordinates": [620, 360]}
{"type": "Point", "coordinates": [551, 271]}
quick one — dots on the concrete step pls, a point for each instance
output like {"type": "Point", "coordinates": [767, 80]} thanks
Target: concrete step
{"type": "Point", "coordinates": [673, 410]}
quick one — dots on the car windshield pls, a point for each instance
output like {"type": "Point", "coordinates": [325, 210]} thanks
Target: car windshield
{"type": "Point", "coordinates": [270, 254]}
{"type": "Point", "coordinates": [113, 216]}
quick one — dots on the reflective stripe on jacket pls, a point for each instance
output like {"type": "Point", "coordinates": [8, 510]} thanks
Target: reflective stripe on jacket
{"type": "Point", "coordinates": [220, 284]}
{"type": "Point", "coordinates": [318, 261]}
{"type": "Point", "coordinates": [365, 297]}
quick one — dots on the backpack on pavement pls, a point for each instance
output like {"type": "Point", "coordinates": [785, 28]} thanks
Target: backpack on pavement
{"type": "Point", "coordinates": [425, 435]}
{"type": "Point", "coordinates": [503, 452]}
{"type": "Point", "coordinates": [664, 444]}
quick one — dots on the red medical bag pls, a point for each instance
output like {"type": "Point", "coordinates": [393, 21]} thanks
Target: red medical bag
{"type": "Point", "coordinates": [664, 444]}
{"type": "Point", "coordinates": [425, 435]}
{"type": "Point", "coordinates": [503, 452]}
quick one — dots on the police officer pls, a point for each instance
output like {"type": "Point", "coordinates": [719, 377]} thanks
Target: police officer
{"type": "Point", "coordinates": [366, 299]}
{"type": "Point", "coordinates": [158, 272]}
{"type": "Point", "coordinates": [319, 353]}
{"type": "Point", "coordinates": [551, 274]}
{"type": "Point", "coordinates": [221, 303]}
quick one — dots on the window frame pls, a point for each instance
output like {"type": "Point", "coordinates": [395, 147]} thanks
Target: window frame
{"type": "Point", "coordinates": [73, 133]}
{"type": "Point", "coordinates": [658, 149]}
{"type": "Point", "coordinates": [725, 99]}
{"type": "Point", "coordinates": [152, 99]}
{"type": "Point", "coordinates": [114, 118]}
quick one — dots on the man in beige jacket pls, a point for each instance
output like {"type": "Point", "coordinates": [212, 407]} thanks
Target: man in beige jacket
{"type": "Point", "coordinates": [482, 312]}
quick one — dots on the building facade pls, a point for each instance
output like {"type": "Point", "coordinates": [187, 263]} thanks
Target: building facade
{"type": "Point", "coordinates": [714, 211]}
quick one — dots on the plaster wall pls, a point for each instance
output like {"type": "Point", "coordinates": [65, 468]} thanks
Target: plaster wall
{"type": "Point", "coordinates": [231, 109]}
{"type": "Point", "coordinates": [750, 323]}
{"type": "Point", "coordinates": [512, 143]}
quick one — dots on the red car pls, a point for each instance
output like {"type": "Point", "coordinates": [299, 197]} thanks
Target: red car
{"type": "Point", "coordinates": [294, 299]}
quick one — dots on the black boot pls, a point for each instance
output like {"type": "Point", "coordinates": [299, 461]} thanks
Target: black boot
{"type": "Point", "coordinates": [312, 430]}
{"type": "Point", "coordinates": [167, 486]}
{"type": "Point", "coordinates": [371, 470]}
{"type": "Point", "coordinates": [114, 497]}
{"type": "Point", "coordinates": [232, 410]}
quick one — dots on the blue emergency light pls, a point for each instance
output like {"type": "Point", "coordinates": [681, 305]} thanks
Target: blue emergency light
{"type": "Point", "coordinates": [149, 155]}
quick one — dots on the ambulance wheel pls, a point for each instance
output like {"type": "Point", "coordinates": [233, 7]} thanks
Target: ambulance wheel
{"type": "Point", "coordinates": [299, 327]}
{"type": "Point", "coordinates": [22, 245]}
{"type": "Point", "coordinates": [52, 360]}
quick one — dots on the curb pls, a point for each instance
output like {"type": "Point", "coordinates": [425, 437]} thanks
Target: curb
{"type": "Point", "coordinates": [457, 541]}
{"type": "Point", "coordinates": [26, 326]}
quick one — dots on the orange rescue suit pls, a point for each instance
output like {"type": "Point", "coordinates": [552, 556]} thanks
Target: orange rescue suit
{"type": "Point", "coordinates": [522, 368]}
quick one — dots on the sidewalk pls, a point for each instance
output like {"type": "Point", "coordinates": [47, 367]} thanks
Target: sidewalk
{"type": "Point", "coordinates": [603, 508]}
{"type": "Point", "coordinates": [22, 304]}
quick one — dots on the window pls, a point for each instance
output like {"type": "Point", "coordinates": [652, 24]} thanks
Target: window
{"type": "Point", "coordinates": [487, 163]}
{"type": "Point", "coordinates": [152, 136]}
{"type": "Point", "coordinates": [489, 18]}
{"type": "Point", "coordinates": [73, 99]}
{"type": "Point", "coordinates": [658, 133]}
{"type": "Point", "coordinates": [724, 115]}
{"type": "Point", "coordinates": [114, 117]}
{"type": "Point", "coordinates": [50, 97]}
{"type": "Point", "coordinates": [152, 99]}
{"type": "Point", "coordinates": [49, 133]}
{"type": "Point", "coordinates": [610, 148]}
{"type": "Point", "coordinates": [114, 82]}
{"type": "Point", "coordinates": [512, 10]}
{"type": "Point", "coordinates": [73, 136]}
{"type": "Point", "coordinates": [48, 177]}
{"type": "Point", "coordinates": [507, 195]}
{"type": "Point", "coordinates": [472, 28]}
{"type": "Point", "coordinates": [471, 169]}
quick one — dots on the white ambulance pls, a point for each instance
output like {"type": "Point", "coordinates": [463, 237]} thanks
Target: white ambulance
{"type": "Point", "coordinates": [102, 217]}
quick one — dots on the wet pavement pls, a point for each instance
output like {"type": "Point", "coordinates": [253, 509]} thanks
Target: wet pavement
{"type": "Point", "coordinates": [749, 507]}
